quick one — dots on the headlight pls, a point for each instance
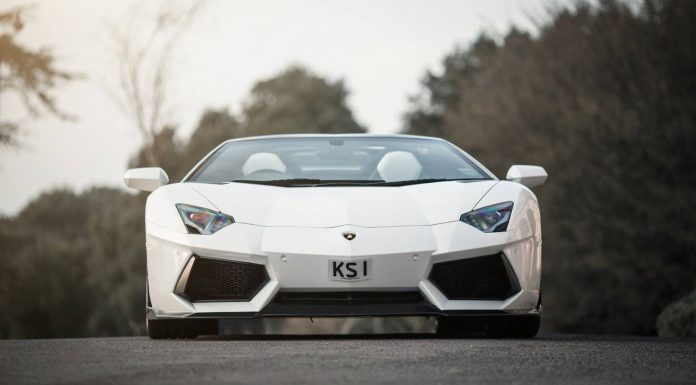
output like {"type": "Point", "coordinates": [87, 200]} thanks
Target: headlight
{"type": "Point", "coordinates": [489, 219]}
{"type": "Point", "coordinates": [202, 221]}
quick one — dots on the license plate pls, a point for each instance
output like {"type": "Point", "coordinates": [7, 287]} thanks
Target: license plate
{"type": "Point", "coordinates": [350, 270]}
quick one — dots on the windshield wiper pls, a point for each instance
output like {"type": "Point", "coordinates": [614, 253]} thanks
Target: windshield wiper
{"type": "Point", "coordinates": [427, 180]}
{"type": "Point", "coordinates": [306, 182]}
{"type": "Point", "coordinates": [350, 182]}
{"type": "Point", "coordinates": [385, 183]}
{"type": "Point", "coordinates": [281, 182]}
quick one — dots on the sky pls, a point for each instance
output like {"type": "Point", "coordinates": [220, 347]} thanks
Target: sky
{"type": "Point", "coordinates": [381, 49]}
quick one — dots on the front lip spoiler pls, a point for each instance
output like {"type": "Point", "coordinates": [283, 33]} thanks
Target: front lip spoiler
{"type": "Point", "coordinates": [422, 309]}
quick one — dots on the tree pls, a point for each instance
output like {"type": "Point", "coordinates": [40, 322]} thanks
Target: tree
{"type": "Point", "coordinates": [214, 127]}
{"type": "Point", "coordinates": [56, 276]}
{"type": "Point", "coordinates": [297, 101]}
{"type": "Point", "coordinates": [30, 74]}
{"type": "Point", "coordinates": [604, 99]}
{"type": "Point", "coordinates": [144, 48]}
{"type": "Point", "coordinates": [178, 157]}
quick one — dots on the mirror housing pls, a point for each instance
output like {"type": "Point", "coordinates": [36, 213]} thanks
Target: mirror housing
{"type": "Point", "coordinates": [529, 176]}
{"type": "Point", "coordinates": [145, 178]}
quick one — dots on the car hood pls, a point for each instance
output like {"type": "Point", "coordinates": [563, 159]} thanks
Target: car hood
{"type": "Point", "coordinates": [375, 206]}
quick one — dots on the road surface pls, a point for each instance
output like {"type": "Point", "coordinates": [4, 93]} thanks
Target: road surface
{"type": "Point", "coordinates": [395, 359]}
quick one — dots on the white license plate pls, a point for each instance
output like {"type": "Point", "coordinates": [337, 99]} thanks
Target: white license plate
{"type": "Point", "coordinates": [350, 270]}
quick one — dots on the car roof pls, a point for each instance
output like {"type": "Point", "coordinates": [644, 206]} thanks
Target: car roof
{"type": "Point", "coordinates": [367, 135]}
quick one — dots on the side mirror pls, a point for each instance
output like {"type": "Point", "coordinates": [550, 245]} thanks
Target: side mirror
{"type": "Point", "coordinates": [146, 178]}
{"type": "Point", "coordinates": [529, 176]}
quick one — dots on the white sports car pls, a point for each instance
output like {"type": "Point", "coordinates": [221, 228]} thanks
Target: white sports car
{"type": "Point", "coordinates": [342, 225]}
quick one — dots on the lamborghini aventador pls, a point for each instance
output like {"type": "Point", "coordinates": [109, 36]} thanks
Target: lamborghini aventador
{"type": "Point", "coordinates": [342, 226]}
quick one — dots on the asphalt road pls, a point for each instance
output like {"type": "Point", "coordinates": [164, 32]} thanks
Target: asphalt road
{"type": "Point", "coordinates": [396, 359]}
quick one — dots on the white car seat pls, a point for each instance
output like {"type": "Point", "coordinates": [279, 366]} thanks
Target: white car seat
{"type": "Point", "coordinates": [398, 166]}
{"type": "Point", "coordinates": [263, 161]}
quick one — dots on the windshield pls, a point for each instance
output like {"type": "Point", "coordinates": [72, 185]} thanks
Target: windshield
{"type": "Point", "coordinates": [337, 160]}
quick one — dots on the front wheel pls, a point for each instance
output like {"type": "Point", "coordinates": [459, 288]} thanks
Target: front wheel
{"type": "Point", "coordinates": [181, 328]}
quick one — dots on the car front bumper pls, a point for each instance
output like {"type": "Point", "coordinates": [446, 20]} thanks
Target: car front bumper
{"type": "Point", "coordinates": [296, 260]}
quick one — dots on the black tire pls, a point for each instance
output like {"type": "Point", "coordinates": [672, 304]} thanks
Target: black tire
{"type": "Point", "coordinates": [514, 327]}
{"type": "Point", "coordinates": [181, 328]}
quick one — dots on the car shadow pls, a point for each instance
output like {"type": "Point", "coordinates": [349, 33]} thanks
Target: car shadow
{"type": "Point", "coordinates": [344, 337]}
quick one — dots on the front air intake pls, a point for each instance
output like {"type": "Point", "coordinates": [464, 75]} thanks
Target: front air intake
{"type": "Point", "coordinates": [488, 277]}
{"type": "Point", "coordinates": [205, 279]}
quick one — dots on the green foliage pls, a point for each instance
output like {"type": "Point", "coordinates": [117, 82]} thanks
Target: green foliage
{"type": "Point", "coordinates": [177, 157]}
{"type": "Point", "coordinates": [603, 98]}
{"type": "Point", "coordinates": [679, 318]}
{"type": "Point", "coordinates": [214, 128]}
{"type": "Point", "coordinates": [59, 260]}
{"type": "Point", "coordinates": [297, 101]}
{"type": "Point", "coordinates": [169, 150]}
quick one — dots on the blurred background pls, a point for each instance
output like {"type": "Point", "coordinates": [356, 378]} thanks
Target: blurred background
{"type": "Point", "coordinates": [601, 93]}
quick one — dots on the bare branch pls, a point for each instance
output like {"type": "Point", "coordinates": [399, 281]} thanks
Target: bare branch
{"type": "Point", "coordinates": [143, 65]}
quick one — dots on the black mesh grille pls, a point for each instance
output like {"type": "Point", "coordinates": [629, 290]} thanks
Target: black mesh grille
{"type": "Point", "coordinates": [487, 277]}
{"type": "Point", "coordinates": [214, 280]}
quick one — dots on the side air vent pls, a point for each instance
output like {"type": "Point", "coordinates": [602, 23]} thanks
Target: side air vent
{"type": "Point", "coordinates": [487, 277]}
{"type": "Point", "coordinates": [205, 279]}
